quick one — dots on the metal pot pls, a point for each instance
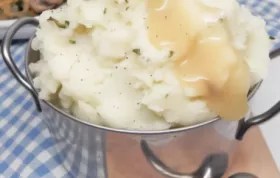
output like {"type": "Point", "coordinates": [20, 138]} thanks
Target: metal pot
{"type": "Point", "coordinates": [207, 147]}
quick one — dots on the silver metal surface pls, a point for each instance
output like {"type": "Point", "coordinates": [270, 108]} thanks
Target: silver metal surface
{"type": "Point", "coordinates": [81, 148]}
{"type": "Point", "coordinates": [243, 175]}
{"type": "Point", "coordinates": [82, 144]}
{"type": "Point", "coordinates": [213, 166]}
{"type": "Point", "coordinates": [5, 50]}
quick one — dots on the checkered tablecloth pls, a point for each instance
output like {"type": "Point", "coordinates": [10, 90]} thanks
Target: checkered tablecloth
{"type": "Point", "coordinates": [26, 147]}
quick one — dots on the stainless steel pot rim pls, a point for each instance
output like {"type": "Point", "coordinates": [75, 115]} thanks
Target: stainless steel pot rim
{"type": "Point", "coordinates": [124, 131]}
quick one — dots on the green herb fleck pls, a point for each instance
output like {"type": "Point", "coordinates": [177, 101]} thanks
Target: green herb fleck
{"type": "Point", "coordinates": [72, 41]}
{"type": "Point", "coordinates": [19, 5]}
{"type": "Point", "coordinates": [137, 51]}
{"type": "Point", "coordinates": [60, 25]}
{"type": "Point", "coordinates": [126, 1]}
{"type": "Point", "coordinates": [272, 38]}
{"type": "Point", "coordinates": [171, 53]}
{"type": "Point", "coordinates": [166, 96]}
{"type": "Point", "coordinates": [105, 11]}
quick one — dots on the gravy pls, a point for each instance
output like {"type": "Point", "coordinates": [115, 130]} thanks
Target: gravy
{"type": "Point", "coordinates": [203, 55]}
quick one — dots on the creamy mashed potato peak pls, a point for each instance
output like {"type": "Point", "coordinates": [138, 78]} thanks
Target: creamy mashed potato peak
{"type": "Point", "coordinates": [150, 64]}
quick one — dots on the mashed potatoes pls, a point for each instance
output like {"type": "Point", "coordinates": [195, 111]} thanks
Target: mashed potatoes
{"type": "Point", "coordinates": [99, 58]}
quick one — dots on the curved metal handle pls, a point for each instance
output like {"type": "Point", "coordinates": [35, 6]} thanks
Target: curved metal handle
{"type": "Point", "coordinates": [243, 175]}
{"type": "Point", "coordinates": [158, 164]}
{"type": "Point", "coordinates": [245, 125]}
{"type": "Point", "coordinates": [6, 53]}
{"type": "Point", "coordinates": [213, 166]}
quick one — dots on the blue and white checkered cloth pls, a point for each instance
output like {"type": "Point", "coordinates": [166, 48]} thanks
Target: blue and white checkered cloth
{"type": "Point", "coordinates": [26, 147]}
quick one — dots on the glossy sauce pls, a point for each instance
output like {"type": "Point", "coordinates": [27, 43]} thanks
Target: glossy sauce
{"type": "Point", "coordinates": [204, 57]}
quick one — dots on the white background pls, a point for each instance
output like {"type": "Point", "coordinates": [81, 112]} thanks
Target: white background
{"type": "Point", "coordinates": [269, 94]}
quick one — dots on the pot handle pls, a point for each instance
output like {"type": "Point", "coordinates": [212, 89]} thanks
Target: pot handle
{"type": "Point", "coordinates": [6, 53]}
{"type": "Point", "coordinates": [213, 166]}
{"type": "Point", "coordinates": [243, 175]}
{"type": "Point", "coordinates": [158, 165]}
{"type": "Point", "coordinates": [245, 125]}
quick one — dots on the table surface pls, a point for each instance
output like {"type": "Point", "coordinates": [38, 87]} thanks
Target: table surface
{"type": "Point", "coordinates": [123, 151]}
